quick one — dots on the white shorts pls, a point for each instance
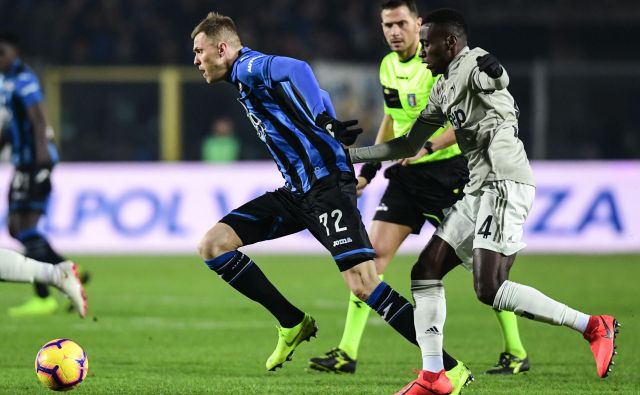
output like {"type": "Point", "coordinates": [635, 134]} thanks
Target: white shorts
{"type": "Point", "coordinates": [493, 219]}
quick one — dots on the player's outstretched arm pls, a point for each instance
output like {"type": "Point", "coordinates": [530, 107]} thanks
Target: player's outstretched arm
{"type": "Point", "coordinates": [400, 147]}
{"type": "Point", "coordinates": [370, 169]}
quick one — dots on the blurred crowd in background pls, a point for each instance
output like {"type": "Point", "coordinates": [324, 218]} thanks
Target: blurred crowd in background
{"type": "Point", "coordinates": [127, 32]}
{"type": "Point", "coordinates": [585, 47]}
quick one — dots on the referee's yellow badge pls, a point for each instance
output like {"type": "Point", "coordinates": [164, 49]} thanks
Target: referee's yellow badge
{"type": "Point", "coordinates": [411, 99]}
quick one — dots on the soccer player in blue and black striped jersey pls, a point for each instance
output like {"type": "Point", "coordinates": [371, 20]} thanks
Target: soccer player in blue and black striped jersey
{"type": "Point", "coordinates": [34, 156]}
{"type": "Point", "coordinates": [296, 121]}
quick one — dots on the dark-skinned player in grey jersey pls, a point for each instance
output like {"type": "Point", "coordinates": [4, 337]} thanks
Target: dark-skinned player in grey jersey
{"type": "Point", "coordinates": [483, 231]}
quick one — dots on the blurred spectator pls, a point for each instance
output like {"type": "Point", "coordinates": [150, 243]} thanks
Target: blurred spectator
{"type": "Point", "coordinates": [221, 145]}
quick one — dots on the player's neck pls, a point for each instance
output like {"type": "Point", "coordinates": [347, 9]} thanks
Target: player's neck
{"type": "Point", "coordinates": [234, 54]}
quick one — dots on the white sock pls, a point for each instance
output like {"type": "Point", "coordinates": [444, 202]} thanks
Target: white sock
{"type": "Point", "coordinates": [429, 316]}
{"type": "Point", "coordinates": [16, 267]}
{"type": "Point", "coordinates": [531, 303]}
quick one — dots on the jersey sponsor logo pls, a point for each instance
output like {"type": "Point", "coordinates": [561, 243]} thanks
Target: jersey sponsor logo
{"type": "Point", "coordinates": [457, 118]}
{"type": "Point", "coordinates": [411, 99]}
{"type": "Point", "coordinates": [342, 241]}
{"type": "Point", "coordinates": [257, 123]}
{"type": "Point", "coordinates": [382, 207]}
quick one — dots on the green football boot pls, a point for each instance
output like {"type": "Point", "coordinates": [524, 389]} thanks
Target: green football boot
{"type": "Point", "coordinates": [460, 377]}
{"type": "Point", "coordinates": [509, 364]}
{"type": "Point", "coordinates": [288, 340]}
{"type": "Point", "coordinates": [35, 306]}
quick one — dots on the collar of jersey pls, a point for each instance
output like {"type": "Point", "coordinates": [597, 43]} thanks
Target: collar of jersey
{"type": "Point", "coordinates": [455, 60]}
{"type": "Point", "coordinates": [415, 55]}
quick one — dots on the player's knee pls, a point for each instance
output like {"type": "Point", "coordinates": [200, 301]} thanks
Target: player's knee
{"type": "Point", "coordinates": [203, 248]}
{"type": "Point", "coordinates": [361, 284]}
{"type": "Point", "coordinates": [215, 243]}
{"type": "Point", "coordinates": [362, 280]}
{"type": "Point", "coordinates": [486, 293]}
{"type": "Point", "coordinates": [211, 247]}
{"type": "Point", "coordinates": [364, 289]}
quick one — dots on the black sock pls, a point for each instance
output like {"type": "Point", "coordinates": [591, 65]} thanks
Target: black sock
{"type": "Point", "coordinates": [38, 248]}
{"type": "Point", "coordinates": [245, 276]}
{"type": "Point", "coordinates": [398, 313]}
{"type": "Point", "coordinates": [448, 361]}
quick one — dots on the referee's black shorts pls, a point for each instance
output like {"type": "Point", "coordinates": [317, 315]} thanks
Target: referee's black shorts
{"type": "Point", "coordinates": [422, 192]}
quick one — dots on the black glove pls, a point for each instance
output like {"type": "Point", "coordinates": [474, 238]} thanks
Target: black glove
{"type": "Point", "coordinates": [369, 170]}
{"type": "Point", "coordinates": [490, 65]}
{"type": "Point", "coordinates": [339, 130]}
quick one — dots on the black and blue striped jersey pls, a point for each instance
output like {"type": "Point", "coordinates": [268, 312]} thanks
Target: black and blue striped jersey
{"type": "Point", "coordinates": [19, 90]}
{"type": "Point", "coordinates": [282, 99]}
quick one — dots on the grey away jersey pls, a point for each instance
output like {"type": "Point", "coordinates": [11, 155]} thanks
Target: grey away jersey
{"type": "Point", "coordinates": [485, 118]}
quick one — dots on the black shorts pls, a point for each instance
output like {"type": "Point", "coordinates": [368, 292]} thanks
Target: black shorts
{"type": "Point", "coordinates": [422, 192]}
{"type": "Point", "coordinates": [30, 189]}
{"type": "Point", "coordinates": [329, 211]}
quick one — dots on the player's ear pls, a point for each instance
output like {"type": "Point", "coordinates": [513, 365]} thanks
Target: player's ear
{"type": "Point", "coordinates": [418, 22]}
{"type": "Point", "coordinates": [451, 41]}
{"type": "Point", "coordinates": [222, 48]}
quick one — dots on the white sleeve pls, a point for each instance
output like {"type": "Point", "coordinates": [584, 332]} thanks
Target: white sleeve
{"type": "Point", "coordinates": [482, 82]}
{"type": "Point", "coordinates": [430, 120]}
{"type": "Point", "coordinates": [400, 147]}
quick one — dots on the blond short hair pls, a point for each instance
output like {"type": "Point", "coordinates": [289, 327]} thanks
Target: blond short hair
{"type": "Point", "coordinates": [218, 27]}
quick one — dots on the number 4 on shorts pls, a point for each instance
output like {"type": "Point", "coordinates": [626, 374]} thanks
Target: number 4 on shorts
{"type": "Point", "coordinates": [486, 225]}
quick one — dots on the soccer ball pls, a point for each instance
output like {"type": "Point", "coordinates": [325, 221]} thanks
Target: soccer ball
{"type": "Point", "coordinates": [61, 365]}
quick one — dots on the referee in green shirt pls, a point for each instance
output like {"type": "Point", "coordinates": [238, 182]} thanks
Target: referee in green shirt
{"type": "Point", "coordinates": [420, 188]}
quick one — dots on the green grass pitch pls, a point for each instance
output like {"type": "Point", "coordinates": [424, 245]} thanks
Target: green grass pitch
{"type": "Point", "coordinates": [167, 325]}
